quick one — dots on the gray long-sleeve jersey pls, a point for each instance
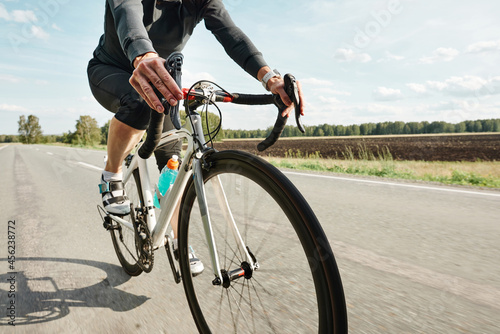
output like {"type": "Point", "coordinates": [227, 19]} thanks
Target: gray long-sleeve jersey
{"type": "Point", "coordinates": [134, 27]}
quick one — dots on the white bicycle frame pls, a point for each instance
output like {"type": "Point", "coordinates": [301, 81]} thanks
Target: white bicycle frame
{"type": "Point", "coordinates": [158, 227]}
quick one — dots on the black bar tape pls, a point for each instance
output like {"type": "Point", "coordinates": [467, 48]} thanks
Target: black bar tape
{"type": "Point", "coordinates": [153, 135]}
{"type": "Point", "coordinates": [292, 91]}
{"type": "Point", "coordinates": [278, 128]}
{"type": "Point", "coordinates": [252, 99]}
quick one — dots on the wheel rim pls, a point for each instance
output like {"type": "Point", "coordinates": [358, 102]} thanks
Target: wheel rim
{"type": "Point", "coordinates": [280, 296]}
{"type": "Point", "coordinates": [123, 237]}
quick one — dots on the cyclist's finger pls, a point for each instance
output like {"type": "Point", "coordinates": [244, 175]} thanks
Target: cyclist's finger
{"type": "Point", "coordinates": [287, 111]}
{"type": "Point", "coordinates": [142, 86]}
{"type": "Point", "coordinates": [164, 90]}
{"type": "Point", "coordinates": [151, 98]}
{"type": "Point", "coordinates": [301, 97]}
{"type": "Point", "coordinates": [156, 73]}
{"type": "Point", "coordinates": [147, 75]}
{"type": "Point", "coordinates": [167, 86]}
{"type": "Point", "coordinates": [284, 96]}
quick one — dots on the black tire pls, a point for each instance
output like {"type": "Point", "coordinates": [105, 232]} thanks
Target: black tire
{"type": "Point", "coordinates": [124, 238]}
{"type": "Point", "coordinates": [297, 288]}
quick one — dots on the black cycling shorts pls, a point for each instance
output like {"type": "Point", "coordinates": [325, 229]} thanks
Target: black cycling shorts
{"type": "Point", "coordinates": [111, 88]}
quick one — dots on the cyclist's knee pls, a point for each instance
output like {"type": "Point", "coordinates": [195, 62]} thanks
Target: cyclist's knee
{"type": "Point", "coordinates": [134, 111]}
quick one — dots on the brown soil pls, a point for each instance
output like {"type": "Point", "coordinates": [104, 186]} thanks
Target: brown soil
{"type": "Point", "coordinates": [460, 147]}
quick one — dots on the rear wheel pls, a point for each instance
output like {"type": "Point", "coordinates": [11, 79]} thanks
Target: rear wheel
{"type": "Point", "coordinates": [296, 288]}
{"type": "Point", "coordinates": [123, 237]}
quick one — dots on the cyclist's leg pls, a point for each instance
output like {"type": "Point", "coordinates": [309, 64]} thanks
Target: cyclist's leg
{"type": "Point", "coordinates": [164, 152]}
{"type": "Point", "coordinates": [109, 85]}
{"type": "Point", "coordinates": [122, 138]}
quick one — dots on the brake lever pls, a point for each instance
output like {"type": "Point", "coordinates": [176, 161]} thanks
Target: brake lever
{"type": "Point", "coordinates": [173, 65]}
{"type": "Point", "coordinates": [292, 90]}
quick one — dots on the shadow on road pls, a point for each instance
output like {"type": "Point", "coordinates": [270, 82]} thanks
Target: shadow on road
{"type": "Point", "coordinates": [38, 296]}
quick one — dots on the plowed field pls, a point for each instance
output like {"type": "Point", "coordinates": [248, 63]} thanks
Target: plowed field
{"type": "Point", "coordinates": [459, 147]}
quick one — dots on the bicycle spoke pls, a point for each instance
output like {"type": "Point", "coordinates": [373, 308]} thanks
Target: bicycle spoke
{"type": "Point", "coordinates": [124, 238]}
{"type": "Point", "coordinates": [278, 296]}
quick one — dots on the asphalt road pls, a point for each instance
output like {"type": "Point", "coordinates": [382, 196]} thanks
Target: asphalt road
{"type": "Point", "coordinates": [414, 258]}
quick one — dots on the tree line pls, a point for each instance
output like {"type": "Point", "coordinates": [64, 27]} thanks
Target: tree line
{"type": "Point", "coordinates": [89, 133]}
{"type": "Point", "coordinates": [373, 129]}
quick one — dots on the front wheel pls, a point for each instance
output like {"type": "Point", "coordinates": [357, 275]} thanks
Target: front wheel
{"type": "Point", "coordinates": [296, 287]}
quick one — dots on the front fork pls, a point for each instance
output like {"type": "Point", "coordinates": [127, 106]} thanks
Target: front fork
{"type": "Point", "coordinates": [222, 277]}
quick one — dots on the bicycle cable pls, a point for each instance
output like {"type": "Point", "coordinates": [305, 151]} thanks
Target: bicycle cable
{"type": "Point", "coordinates": [207, 101]}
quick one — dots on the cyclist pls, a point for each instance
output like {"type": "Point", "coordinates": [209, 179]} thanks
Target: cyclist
{"type": "Point", "coordinates": [129, 61]}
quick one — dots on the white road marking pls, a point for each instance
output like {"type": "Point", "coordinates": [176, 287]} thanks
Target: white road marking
{"type": "Point", "coordinates": [90, 166]}
{"type": "Point", "coordinates": [396, 184]}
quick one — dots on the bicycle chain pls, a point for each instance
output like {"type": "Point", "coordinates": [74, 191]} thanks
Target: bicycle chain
{"type": "Point", "coordinates": [143, 246]}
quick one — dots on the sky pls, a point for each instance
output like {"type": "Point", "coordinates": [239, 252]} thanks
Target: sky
{"type": "Point", "coordinates": [358, 61]}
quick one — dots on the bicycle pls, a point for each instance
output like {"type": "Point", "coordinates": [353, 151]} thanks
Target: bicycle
{"type": "Point", "coordinates": [268, 264]}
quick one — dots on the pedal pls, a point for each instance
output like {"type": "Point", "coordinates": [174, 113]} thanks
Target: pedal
{"type": "Point", "coordinates": [106, 219]}
{"type": "Point", "coordinates": [107, 223]}
{"type": "Point", "coordinates": [171, 260]}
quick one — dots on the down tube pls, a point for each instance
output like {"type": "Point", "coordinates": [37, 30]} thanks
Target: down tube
{"type": "Point", "coordinates": [205, 215]}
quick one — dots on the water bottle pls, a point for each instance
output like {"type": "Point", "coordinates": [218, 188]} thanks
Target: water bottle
{"type": "Point", "coordinates": [167, 178]}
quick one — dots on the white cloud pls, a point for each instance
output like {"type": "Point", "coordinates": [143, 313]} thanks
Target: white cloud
{"type": "Point", "coordinates": [10, 78]}
{"type": "Point", "coordinates": [387, 94]}
{"type": "Point", "coordinates": [389, 56]}
{"type": "Point", "coordinates": [484, 46]}
{"type": "Point", "coordinates": [436, 85]}
{"type": "Point", "coordinates": [20, 16]}
{"type": "Point", "coordinates": [452, 105]}
{"type": "Point", "coordinates": [56, 27]}
{"type": "Point", "coordinates": [440, 54]}
{"type": "Point", "coordinates": [315, 82]}
{"type": "Point", "coordinates": [12, 107]}
{"type": "Point", "coordinates": [329, 100]}
{"type": "Point", "coordinates": [23, 16]}
{"type": "Point", "coordinates": [466, 85]}
{"type": "Point", "coordinates": [42, 82]}
{"type": "Point", "coordinates": [417, 88]}
{"type": "Point", "coordinates": [349, 55]}
{"type": "Point", "coordinates": [39, 33]}
{"type": "Point", "coordinates": [4, 14]}
{"type": "Point", "coordinates": [338, 92]}
{"type": "Point", "coordinates": [86, 99]}
{"type": "Point", "coordinates": [322, 86]}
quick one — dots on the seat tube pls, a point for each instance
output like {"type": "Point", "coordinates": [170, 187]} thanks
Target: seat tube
{"type": "Point", "coordinates": [147, 193]}
{"type": "Point", "coordinates": [205, 215]}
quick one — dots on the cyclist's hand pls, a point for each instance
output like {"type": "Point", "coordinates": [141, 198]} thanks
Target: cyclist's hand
{"type": "Point", "coordinates": [150, 73]}
{"type": "Point", "coordinates": [277, 86]}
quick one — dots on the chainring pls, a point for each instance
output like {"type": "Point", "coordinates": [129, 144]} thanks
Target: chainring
{"type": "Point", "coordinates": [143, 245]}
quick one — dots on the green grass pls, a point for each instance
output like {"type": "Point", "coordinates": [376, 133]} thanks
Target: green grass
{"type": "Point", "coordinates": [388, 170]}
{"type": "Point", "coordinates": [382, 164]}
